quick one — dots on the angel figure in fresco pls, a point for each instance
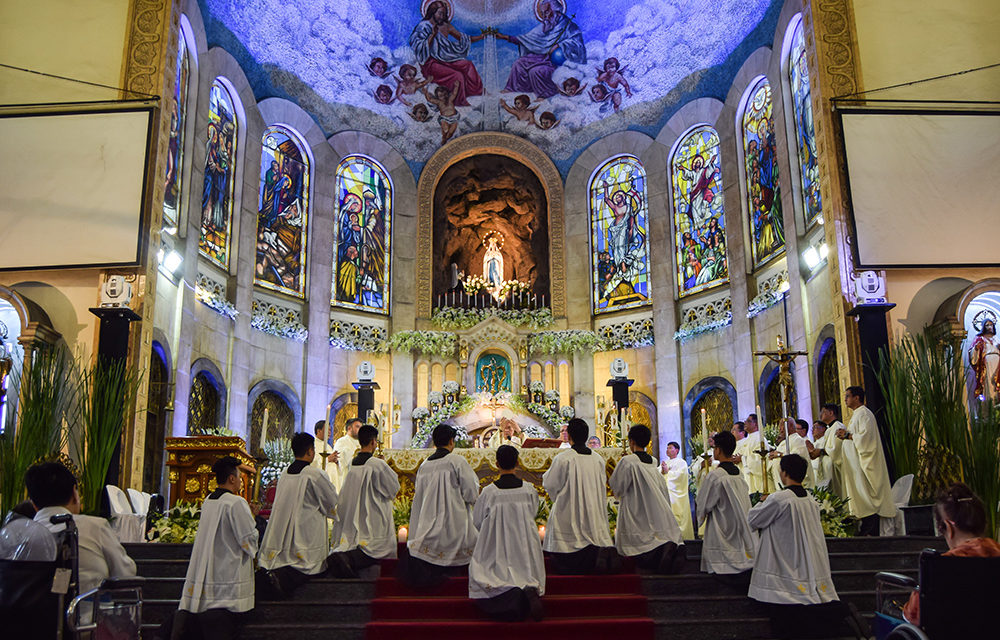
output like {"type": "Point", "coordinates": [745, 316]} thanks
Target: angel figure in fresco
{"type": "Point", "coordinates": [547, 120]}
{"type": "Point", "coordinates": [625, 239]}
{"type": "Point", "coordinates": [984, 357]}
{"type": "Point", "coordinates": [378, 67]}
{"type": "Point", "coordinates": [571, 87]}
{"type": "Point", "coordinates": [522, 109]}
{"type": "Point", "coordinates": [448, 116]}
{"type": "Point", "coordinates": [383, 94]}
{"type": "Point", "coordinates": [611, 76]}
{"type": "Point", "coordinates": [407, 83]}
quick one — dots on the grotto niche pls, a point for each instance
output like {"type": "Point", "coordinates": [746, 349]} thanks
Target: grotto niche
{"type": "Point", "coordinates": [478, 196]}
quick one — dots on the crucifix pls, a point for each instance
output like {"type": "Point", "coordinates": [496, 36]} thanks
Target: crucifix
{"type": "Point", "coordinates": [783, 358]}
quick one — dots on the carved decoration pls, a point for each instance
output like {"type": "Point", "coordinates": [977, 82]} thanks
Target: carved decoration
{"type": "Point", "coordinates": [193, 485]}
{"type": "Point", "coordinates": [145, 45]}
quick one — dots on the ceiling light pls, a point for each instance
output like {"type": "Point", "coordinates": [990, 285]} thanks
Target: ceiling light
{"type": "Point", "coordinates": [823, 251]}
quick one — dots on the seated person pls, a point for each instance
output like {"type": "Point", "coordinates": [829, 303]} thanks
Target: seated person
{"type": "Point", "coordinates": [296, 542]}
{"type": "Point", "coordinates": [722, 505]}
{"type": "Point", "coordinates": [793, 566]}
{"type": "Point", "coordinates": [219, 585]}
{"type": "Point", "coordinates": [364, 532]}
{"type": "Point", "coordinates": [442, 536]}
{"type": "Point", "coordinates": [577, 537]}
{"type": "Point", "coordinates": [52, 489]}
{"type": "Point", "coordinates": [508, 433]}
{"type": "Point", "coordinates": [647, 529]}
{"type": "Point", "coordinates": [961, 519]}
{"type": "Point", "coordinates": [507, 572]}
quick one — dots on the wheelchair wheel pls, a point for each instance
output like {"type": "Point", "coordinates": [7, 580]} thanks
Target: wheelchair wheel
{"type": "Point", "coordinates": [907, 632]}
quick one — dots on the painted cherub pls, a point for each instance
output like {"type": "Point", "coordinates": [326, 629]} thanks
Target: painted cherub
{"type": "Point", "coordinates": [383, 94]}
{"type": "Point", "coordinates": [378, 67]}
{"type": "Point", "coordinates": [612, 76]}
{"type": "Point", "coordinates": [571, 87]}
{"type": "Point", "coordinates": [522, 109]}
{"type": "Point", "coordinates": [407, 83]}
{"type": "Point", "coordinates": [547, 120]}
{"type": "Point", "coordinates": [600, 94]}
{"type": "Point", "coordinates": [448, 115]}
{"type": "Point", "coordinates": [420, 113]}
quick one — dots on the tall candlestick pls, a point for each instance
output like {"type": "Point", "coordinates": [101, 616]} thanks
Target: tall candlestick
{"type": "Point", "coordinates": [263, 430]}
{"type": "Point", "coordinates": [704, 431]}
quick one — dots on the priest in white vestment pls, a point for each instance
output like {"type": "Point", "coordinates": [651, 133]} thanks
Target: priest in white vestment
{"type": "Point", "coordinates": [442, 535]}
{"type": "Point", "coordinates": [646, 528]}
{"type": "Point", "coordinates": [793, 443]}
{"type": "Point", "coordinates": [832, 449]}
{"type": "Point", "coordinates": [219, 584]}
{"type": "Point", "coordinates": [508, 433]}
{"type": "Point", "coordinates": [577, 535]}
{"type": "Point", "coordinates": [722, 505]}
{"type": "Point", "coordinates": [675, 475]}
{"type": "Point", "coordinates": [364, 532]}
{"type": "Point", "coordinates": [507, 572]}
{"type": "Point", "coordinates": [346, 447]}
{"type": "Point", "coordinates": [821, 463]}
{"type": "Point", "coordinates": [325, 452]}
{"type": "Point", "coordinates": [871, 491]}
{"type": "Point", "coordinates": [751, 464]}
{"type": "Point", "coordinates": [296, 542]}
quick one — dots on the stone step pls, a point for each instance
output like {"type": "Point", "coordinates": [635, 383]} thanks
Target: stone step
{"type": "Point", "coordinates": [292, 611]}
{"type": "Point", "coordinates": [339, 589]}
{"type": "Point", "coordinates": [704, 584]}
{"type": "Point", "coordinates": [733, 607]}
{"type": "Point", "coordinates": [284, 631]}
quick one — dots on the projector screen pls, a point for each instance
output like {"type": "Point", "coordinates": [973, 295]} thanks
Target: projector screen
{"type": "Point", "coordinates": [73, 188]}
{"type": "Point", "coordinates": [925, 187]}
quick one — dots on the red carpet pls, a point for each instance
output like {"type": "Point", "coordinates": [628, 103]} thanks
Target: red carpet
{"type": "Point", "coordinates": [577, 607]}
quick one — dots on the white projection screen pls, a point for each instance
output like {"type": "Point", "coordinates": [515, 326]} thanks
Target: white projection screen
{"type": "Point", "coordinates": [924, 186]}
{"type": "Point", "coordinates": [73, 188]}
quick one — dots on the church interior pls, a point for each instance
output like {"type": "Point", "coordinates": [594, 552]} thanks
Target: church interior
{"type": "Point", "coordinates": [479, 213]}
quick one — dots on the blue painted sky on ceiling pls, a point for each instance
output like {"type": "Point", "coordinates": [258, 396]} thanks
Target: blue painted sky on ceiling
{"type": "Point", "coordinates": [535, 68]}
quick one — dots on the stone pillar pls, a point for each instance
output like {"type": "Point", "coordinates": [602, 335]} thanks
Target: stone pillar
{"type": "Point", "coordinates": [403, 377]}
{"type": "Point", "coordinates": [583, 389]}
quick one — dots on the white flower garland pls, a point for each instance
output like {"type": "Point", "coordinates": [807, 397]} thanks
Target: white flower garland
{"type": "Point", "coordinates": [763, 301]}
{"type": "Point", "coordinates": [216, 302]}
{"type": "Point", "coordinates": [690, 329]}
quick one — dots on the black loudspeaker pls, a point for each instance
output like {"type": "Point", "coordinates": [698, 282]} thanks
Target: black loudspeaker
{"type": "Point", "coordinates": [366, 401]}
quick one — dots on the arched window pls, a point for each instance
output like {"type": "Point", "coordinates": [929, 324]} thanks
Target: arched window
{"type": "Point", "coordinates": [827, 376]}
{"type": "Point", "coordinates": [272, 416]}
{"type": "Point", "coordinates": [220, 176]}
{"type": "Point", "coordinates": [175, 150]}
{"type": "Point", "coordinates": [699, 223]}
{"type": "Point", "coordinates": [805, 133]}
{"type": "Point", "coordinates": [619, 223]}
{"type": "Point", "coordinates": [361, 274]}
{"type": "Point", "coordinates": [760, 165]}
{"type": "Point", "coordinates": [282, 212]}
{"type": "Point", "coordinates": [718, 412]}
{"type": "Point", "coordinates": [203, 404]}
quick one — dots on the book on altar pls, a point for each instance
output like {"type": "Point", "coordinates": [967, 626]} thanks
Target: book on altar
{"type": "Point", "coordinates": [541, 443]}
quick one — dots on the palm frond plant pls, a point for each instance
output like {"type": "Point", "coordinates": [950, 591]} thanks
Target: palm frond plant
{"type": "Point", "coordinates": [902, 409]}
{"type": "Point", "coordinates": [980, 454]}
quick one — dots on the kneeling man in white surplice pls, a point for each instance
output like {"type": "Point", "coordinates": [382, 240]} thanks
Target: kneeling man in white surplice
{"type": "Point", "coordinates": [364, 532]}
{"type": "Point", "coordinates": [722, 506]}
{"type": "Point", "coordinates": [507, 572]}
{"type": "Point", "coordinates": [647, 530]}
{"type": "Point", "coordinates": [577, 536]}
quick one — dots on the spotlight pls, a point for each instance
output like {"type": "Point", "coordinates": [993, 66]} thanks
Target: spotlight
{"type": "Point", "coordinates": [784, 287]}
{"type": "Point", "coordinates": [172, 262]}
{"type": "Point", "coordinates": [811, 257]}
{"type": "Point", "coordinates": [823, 251]}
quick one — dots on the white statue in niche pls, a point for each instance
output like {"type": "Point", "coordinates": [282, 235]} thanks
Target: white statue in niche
{"type": "Point", "coordinates": [493, 262]}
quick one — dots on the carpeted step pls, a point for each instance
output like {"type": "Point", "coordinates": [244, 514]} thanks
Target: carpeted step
{"type": "Point", "coordinates": [718, 627]}
{"type": "Point", "coordinates": [577, 629]}
{"type": "Point", "coordinates": [619, 584]}
{"type": "Point", "coordinates": [445, 608]}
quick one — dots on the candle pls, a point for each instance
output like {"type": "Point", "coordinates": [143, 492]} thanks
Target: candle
{"type": "Point", "coordinates": [263, 430]}
{"type": "Point", "coordinates": [704, 431]}
{"type": "Point", "coordinates": [541, 532]}
{"type": "Point", "coordinates": [402, 534]}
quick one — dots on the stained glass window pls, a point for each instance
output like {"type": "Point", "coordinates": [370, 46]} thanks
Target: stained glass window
{"type": "Point", "coordinates": [718, 412]}
{"type": "Point", "coordinates": [805, 134]}
{"type": "Point", "coordinates": [175, 149]}
{"type": "Point", "coordinates": [203, 405]}
{"type": "Point", "coordinates": [364, 231]}
{"type": "Point", "coordinates": [280, 419]}
{"type": "Point", "coordinates": [220, 177]}
{"type": "Point", "coordinates": [767, 232]}
{"type": "Point", "coordinates": [282, 212]}
{"type": "Point", "coordinates": [619, 223]}
{"type": "Point", "coordinates": [699, 223]}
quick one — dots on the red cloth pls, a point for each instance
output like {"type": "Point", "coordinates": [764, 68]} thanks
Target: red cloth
{"type": "Point", "coordinates": [447, 73]}
{"type": "Point", "coordinates": [974, 548]}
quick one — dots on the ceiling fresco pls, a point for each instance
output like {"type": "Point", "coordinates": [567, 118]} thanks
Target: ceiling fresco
{"type": "Point", "coordinates": [560, 73]}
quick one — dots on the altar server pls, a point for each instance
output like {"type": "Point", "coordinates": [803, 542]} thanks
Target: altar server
{"type": "Point", "coordinates": [442, 536]}
{"type": "Point", "coordinates": [295, 544]}
{"type": "Point", "coordinates": [831, 447]}
{"type": "Point", "coordinates": [219, 584]}
{"type": "Point", "coordinates": [675, 475]}
{"type": "Point", "coordinates": [797, 445]}
{"type": "Point", "coordinates": [751, 462]}
{"type": "Point", "coordinates": [793, 566]}
{"type": "Point", "coordinates": [346, 447]}
{"type": "Point", "coordinates": [722, 506]}
{"type": "Point", "coordinates": [364, 532]}
{"type": "Point", "coordinates": [867, 478]}
{"type": "Point", "coordinates": [577, 536]}
{"type": "Point", "coordinates": [646, 528]}
{"type": "Point", "coordinates": [325, 451]}
{"type": "Point", "coordinates": [507, 572]}
{"type": "Point", "coordinates": [821, 463]}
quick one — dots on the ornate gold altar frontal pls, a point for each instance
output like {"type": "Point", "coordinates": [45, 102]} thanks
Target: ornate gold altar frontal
{"type": "Point", "coordinates": [190, 460]}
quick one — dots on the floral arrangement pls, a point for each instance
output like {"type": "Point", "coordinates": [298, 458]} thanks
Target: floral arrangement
{"type": "Point", "coordinates": [764, 301]}
{"type": "Point", "coordinates": [834, 514]}
{"type": "Point", "coordinates": [627, 335]}
{"type": "Point", "coordinates": [178, 524]}
{"type": "Point", "coordinates": [567, 412]}
{"type": "Point", "coordinates": [772, 433]}
{"type": "Point", "coordinates": [450, 318]}
{"type": "Point", "coordinates": [354, 336]}
{"type": "Point", "coordinates": [551, 395]}
{"type": "Point", "coordinates": [435, 398]}
{"type": "Point", "coordinates": [432, 343]}
{"type": "Point", "coordinates": [450, 387]}
{"type": "Point", "coordinates": [544, 507]}
{"type": "Point", "coordinates": [221, 432]}
{"type": "Point", "coordinates": [283, 323]}
{"type": "Point", "coordinates": [612, 515]}
{"type": "Point", "coordinates": [441, 414]}
{"type": "Point", "coordinates": [695, 446]}
{"type": "Point", "coordinates": [696, 327]}
{"type": "Point", "coordinates": [571, 341]}
{"type": "Point", "coordinates": [552, 419]}
{"type": "Point", "coordinates": [420, 413]}
{"type": "Point", "coordinates": [514, 287]}
{"type": "Point", "coordinates": [216, 302]}
{"type": "Point", "coordinates": [401, 508]}
{"type": "Point", "coordinates": [279, 456]}
{"type": "Point", "coordinates": [536, 386]}
{"type": "Point", "coordinates": [474, 284]}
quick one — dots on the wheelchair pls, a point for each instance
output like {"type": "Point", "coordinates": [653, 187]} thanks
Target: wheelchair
{"type": "Point", "coordinates": [957, 599]}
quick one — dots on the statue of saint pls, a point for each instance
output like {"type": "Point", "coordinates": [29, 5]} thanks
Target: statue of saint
{"type": "Point", "coordinates": [493, 263]}
{"type": "Point", "coordinates": [984, 358]}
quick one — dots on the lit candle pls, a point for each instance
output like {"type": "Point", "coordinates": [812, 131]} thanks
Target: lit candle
{"type": "Point", "coordinates": [541, 532]}
{"type": "Point", "coordinates": [704, 430]}
{"type": "Point", "coordinates": [402, 534]}
{"type": "Point", "coordinates": [263, 430]}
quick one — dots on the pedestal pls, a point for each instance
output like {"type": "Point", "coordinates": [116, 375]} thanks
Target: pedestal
{"type": "Point", "coordinates": [189, 464]}
{"type": "Point", "coordinates": [873, 335]}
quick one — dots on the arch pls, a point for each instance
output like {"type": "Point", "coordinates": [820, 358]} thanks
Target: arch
{"type": "Point", "coordinates": [208, 410]}
{"type": "Point", "coordinates": [979, 347]}
{"type": "Point", "coordinates": [422, 380]}
{"type": "Point", "coordinates": [342, 408]}
{"type": "Point", "coordinates": [215, 240]}
{"type": "Point", "coordinates": [283, 209]}
{"type": "Point", "coordinates": [362, 272]}
{"type": "Point", "coordinates": [699, 222]}
{"type": "Point", "coordinates": [272, 409]}
{"type": "Point", "coordinates": [286, 392]}
{"type": "Point", "coordinates": [158, 395]}
{"type": "Point", "coordinates": [698, 391]}
{"type": "Point", "coordinates": [769, 393]}
{"type": "Point", "coordinates": [173, 179]}
{"type": "Point", "coordinates": [502, 144]}
{"type": "Point", "coordinates": [619, 235]}
{"type": "Point", "coordinates": [755, 129]}
{"type": "Point", "coordinates": [437, 376]}
{"type": "Point", "coordinates": [451, 372]}
{"type": "Point", "coordinates": [798, 91]}
{"type": "Point", "coordinates": [565, 386]}
{"type": "Point", "coordinates": [827, 367]}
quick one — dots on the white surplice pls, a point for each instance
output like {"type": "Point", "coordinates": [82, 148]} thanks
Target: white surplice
{"type": "Point", "coordinates": [823, 465]}
{"type": "Point", "coordinates": [676, 479]}
{"type": "Point", "coordinates": [752, 467]}
{"type": "Point", "coordinates": [364, 514]}
{"type": "Point", "coordinates": [296, 534]}
{"type": "Point", "coordinates": [796, 445]}
{"type": "Point", "coordinates": [220, 573]}
{"type": "Point", "coordinates": [577, 484]}
{"type": "Point", "coordinates": [645, 520]}
{"type": "Point", "coordinates": [793, 566]}
{"type": "Point", "coordinates": [834, 450]}
{"type": "Point", "coordinates": [347, 447]}
{"type": "Point", "coordinates": [864, 475]}
{"type": "Point", "coordinates": [508, 551]}
{"type": "Point", "coordinates": [722, 505]}
{"type": "Point", "coordinates": [441, 529]}
{"type": "Point", "coordinates": [322, 451]}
